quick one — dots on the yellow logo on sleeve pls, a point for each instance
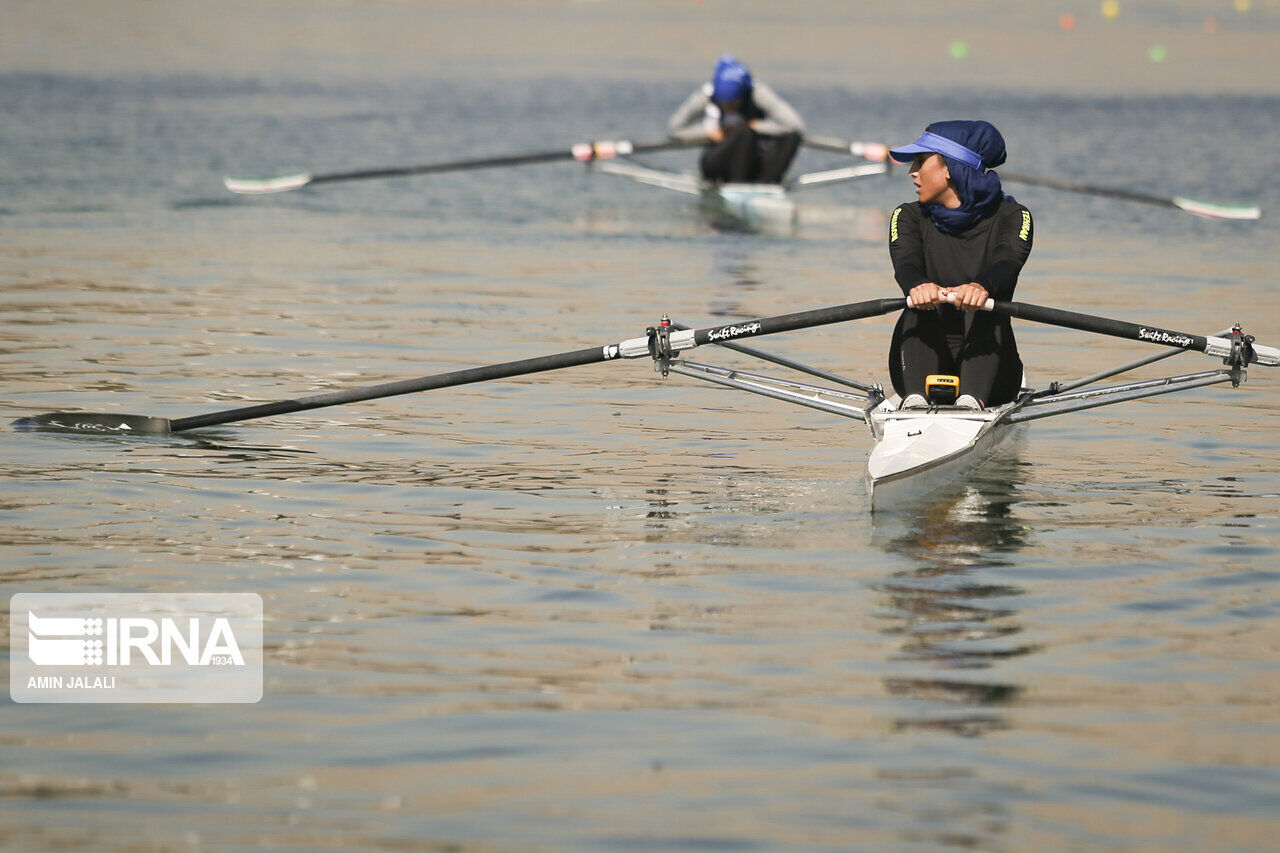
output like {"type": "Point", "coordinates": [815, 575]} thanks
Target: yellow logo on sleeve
{"type": "Point", "coordinates": [893, 225]}
{"type": "Point", "coordinates": [1026, 226]}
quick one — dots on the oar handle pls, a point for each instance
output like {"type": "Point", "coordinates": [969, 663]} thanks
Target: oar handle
{"type": "Point", "coordinates": [784, 323]}
{"type": "Point", "coordinates": [950, 295]}
{"type": "Point", "coordinates": [505, 370]}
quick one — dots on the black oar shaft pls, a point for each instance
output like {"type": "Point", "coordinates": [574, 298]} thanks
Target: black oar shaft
{"type": "Point", "coordinates": [626, 349]}
{"type": "Point", "coordinates": [799, 320]}
{"type": "Point", "coordinates": [1102, 325]}
{"type": "Point", "coordinates": [392, 389]}
{"type": "Point", "coordinates": [455, 166]}
{"type": "Point", "coordinates": [827, 143]}
{"type": "Point", "coordinates": [659, 343]}
{"type": "Point", "coordinates": [787, 363]}
{"type": "Point", "coordinates": [1124, 368]}
{"type": "Point", "coordinates": [877, 151]}
{"type": "Point", "coordinates": [1086, 189]}
{"type": "Point", "coordinates": [495, 162]}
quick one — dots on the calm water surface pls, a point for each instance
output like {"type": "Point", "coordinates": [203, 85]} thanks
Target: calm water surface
{"type": "Point", "coordinates": [596, 609]}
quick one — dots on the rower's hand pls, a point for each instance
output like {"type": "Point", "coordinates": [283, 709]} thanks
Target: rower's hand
{"type": "Point", "coordinates": [715, 134]}
{"type": "Point", "coordinates": [926, 296]}
{"type": "Point", "coordinates": [967, 297]}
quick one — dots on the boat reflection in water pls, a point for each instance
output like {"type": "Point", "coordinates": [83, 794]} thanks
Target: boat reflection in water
{"type": "Point", "coordinates": [955, 627]}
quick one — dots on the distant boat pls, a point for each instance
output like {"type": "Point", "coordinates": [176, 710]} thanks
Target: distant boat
{"type": "Point", "coordinates": [767, 206]}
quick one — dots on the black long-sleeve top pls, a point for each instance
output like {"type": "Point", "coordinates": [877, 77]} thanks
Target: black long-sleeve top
{"type": "Point", "coordinates": [991, 252]}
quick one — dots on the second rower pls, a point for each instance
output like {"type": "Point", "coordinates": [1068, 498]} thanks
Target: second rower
{"type": "Point", "coordinates": [752, 134]}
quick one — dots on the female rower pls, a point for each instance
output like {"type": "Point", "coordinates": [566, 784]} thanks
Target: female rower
{"type": "Point", "coordinates": [962, 242]}
{"type": "Point", "coordinates": [752, 134]}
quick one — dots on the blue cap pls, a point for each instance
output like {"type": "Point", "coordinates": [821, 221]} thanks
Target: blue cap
{"type": "Point", "coordinates": [731, 80]}
{"type": "Point", "coordinates": [976, 144]}
{"type": "Point", "coordinates": [932, 143]}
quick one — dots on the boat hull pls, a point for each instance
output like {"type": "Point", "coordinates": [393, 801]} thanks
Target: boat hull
{"type": "Point", "coordinates": [924, 454]}
{"type": "Point", "coordinates": [756, 204]}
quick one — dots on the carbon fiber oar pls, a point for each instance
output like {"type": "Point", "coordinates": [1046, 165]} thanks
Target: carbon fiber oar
{"type": "Point", "coordinates": [583, 152]}
{"type": "Point", "coordinates": [659, 343]}
{"type": "Point", "coordinates": [1207, 209]}
{"type": "Point", "coordinates": [1237, 348]}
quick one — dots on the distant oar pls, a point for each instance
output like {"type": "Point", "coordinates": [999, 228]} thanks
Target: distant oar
{"type": "Point", "coordinates": [1207, 209]}
{"type": "Point", "coordinates": [583, 152]}
{"type": "Point", "coordinates": [658, 343]}
{"type": "Point", "coordinates": [877, 152]}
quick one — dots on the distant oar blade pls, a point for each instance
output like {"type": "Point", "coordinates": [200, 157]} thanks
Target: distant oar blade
{"type": "Point", "coordinates": [100, 424]}
{"type": "Point", "coordinates": [1207, 209]}
{"type": "Point", "coordinates": [261, 186]}
{"type": "Point", "coordinates": [1211, 210]}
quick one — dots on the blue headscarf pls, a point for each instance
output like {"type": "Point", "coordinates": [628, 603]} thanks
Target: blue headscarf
{"type": "Point", "coordinates": [970, 149]}
{"type": "Point", "coordinates": [731, 81]}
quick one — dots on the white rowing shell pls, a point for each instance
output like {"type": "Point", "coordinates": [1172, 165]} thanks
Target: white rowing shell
{"type": "Point", "coordinates": [918, 452]}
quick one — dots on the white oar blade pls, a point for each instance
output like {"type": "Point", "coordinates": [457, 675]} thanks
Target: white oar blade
{"type": "Point", "coordinates": [1210, 210]}
{"type": "Point", "coordinates": [260, 186]}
